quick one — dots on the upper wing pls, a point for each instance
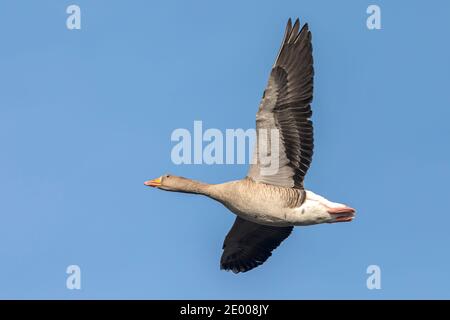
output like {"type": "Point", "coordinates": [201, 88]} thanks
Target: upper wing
{"type": "Point", "coordinates": [285, 107]}
{"type": "Point", "coordinates": [248, 244]}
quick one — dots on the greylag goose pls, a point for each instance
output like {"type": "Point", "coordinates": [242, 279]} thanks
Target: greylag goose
{"type": "Point", "coordinates": [269, 204]}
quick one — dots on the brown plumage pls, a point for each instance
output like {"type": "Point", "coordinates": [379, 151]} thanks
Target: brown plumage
{"type": "Point", "coordinates": [268, 204]}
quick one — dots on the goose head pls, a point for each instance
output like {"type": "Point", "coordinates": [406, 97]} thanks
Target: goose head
{"type": "Point", "coordinates": [166, 182]}
{"type": "Point", "coordinates": [177, 184]}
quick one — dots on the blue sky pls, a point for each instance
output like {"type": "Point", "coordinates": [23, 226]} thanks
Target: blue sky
{"type": "Point", "coordinates": [86, 116]}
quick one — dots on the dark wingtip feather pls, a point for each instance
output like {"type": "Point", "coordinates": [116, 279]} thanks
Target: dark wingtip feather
{"type": "Point", "coordinates": [287, 35]}
{"type": "Point", "coordinates": [294, 31]}
{"type": "Point", "coordinates": [287, 32]}
{"type": "Point", "coordinates": [239, 266]}
{"type": "Point", "coordinates": [289, 24]}
{"type": "Point", "coordinates": [303, 31]}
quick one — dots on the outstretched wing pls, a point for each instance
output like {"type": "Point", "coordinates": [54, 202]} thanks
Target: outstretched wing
{"type": "Point", "coordinates": [285, 107]}
{"type": "Point", "coordinates": [248, 244]}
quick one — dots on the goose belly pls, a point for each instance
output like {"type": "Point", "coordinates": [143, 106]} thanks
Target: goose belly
{"type": "Point", "coordinates": [260, 210]}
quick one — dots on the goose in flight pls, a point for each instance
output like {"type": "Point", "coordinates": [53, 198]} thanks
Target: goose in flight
{"type": "Point", "coordinates": [269, 203]}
